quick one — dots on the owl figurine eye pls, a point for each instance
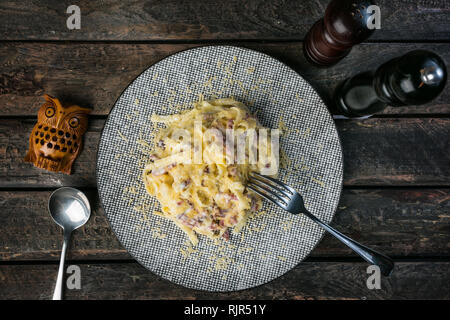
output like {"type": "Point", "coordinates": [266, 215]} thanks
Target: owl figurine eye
{"type": "Point", "coordinates": [50, 112]}
{"type": "Point", "coordinates": [74, 122]}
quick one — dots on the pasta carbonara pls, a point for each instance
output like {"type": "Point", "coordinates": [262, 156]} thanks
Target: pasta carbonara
{"type": "Point", "coordinates": [195, 172]}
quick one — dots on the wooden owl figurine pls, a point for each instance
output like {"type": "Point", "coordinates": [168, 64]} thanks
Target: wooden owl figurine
{"type": "Point", "coordinates": [56, 139]}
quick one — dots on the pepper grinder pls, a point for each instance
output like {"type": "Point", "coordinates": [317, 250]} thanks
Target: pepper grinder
{"type": "Point", "coordinates": [345, 24]}
{"type": "Point", "coordinates": [413, 79]}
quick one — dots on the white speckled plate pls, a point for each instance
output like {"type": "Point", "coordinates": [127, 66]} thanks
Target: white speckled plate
{"type": "Point", "coordinates": [273, 242]}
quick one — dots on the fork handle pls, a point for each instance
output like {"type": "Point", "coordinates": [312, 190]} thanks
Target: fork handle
{"type": "Point", "coordinates": [385, 263]}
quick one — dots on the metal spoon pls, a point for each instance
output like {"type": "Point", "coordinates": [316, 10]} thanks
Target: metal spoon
{"type": "Point", "coordinates": [70, 209]}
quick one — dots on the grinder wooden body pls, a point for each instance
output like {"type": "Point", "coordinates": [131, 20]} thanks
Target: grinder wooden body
{"type": "Point", "coordinates": [345, 24]}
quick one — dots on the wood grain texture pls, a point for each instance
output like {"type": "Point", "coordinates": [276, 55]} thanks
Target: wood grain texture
{"type": "Point", "coordinates": [208, 19]}
{"type": "Point", "coordinates": [120, 39]}
{"type": "Point", "coordinates": [95, 74]}
{"type": "Point", "coordinates": [313, 280]}
{"type": "Point", "coordinates": [400, 223]}
{"type": "Point", "coordinates": [395, 152]}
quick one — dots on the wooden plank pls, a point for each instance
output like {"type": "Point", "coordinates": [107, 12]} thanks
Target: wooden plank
{"type": "Point", "coordinates": [208, 20]}
{"type": "Point", "coordinates": [396, 152]}
{"type": "Point", "coordinates": [17, 173]}
{"type": "Point", "coordinates": [313, 280]}
{"type": "Point", "coordinates": [400, 223]}
{"type": "Point", "coordinates": [28, 232]}
{"type": "Point", "coordinates": [95, 74]}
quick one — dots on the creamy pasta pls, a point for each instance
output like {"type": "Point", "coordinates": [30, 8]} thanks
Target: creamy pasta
{"type": "Point", "coordinates": [196, 171]}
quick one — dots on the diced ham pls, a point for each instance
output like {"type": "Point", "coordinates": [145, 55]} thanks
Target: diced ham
{"type": "Point", "coordinates": [232, 171]}
{"type": "Point", "coordinates": [233, 220]}
{"type": "Point", "coordinates": [171, 166]}
{"type": "Point", "coordinates": [185, 184]}
{"type": "Point", "coordinates": [200, 217]}
{"type": "Point", "coordinates": [228, 196]}
{"type": "Point", "coordinates": [186, 220]}
{"type": "Point", "coordinates": [159, 171]}
{"type": "Point", "coordinates": [232, 196]}
{"type": "Point", "coordinates": [254, 206]}
{"type": "Point", "coordinates": [213, 226]}
{"type": "Point", "coordinates": [217, 212]}
{"type": "Point", "coordinates": [208, 116]}
{"type": "Point", "coordinates": [161, 144]}
{"type": "Point", "coordinates": [163, 170]}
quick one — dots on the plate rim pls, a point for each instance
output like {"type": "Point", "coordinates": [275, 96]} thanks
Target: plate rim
{"type": "Point", "coordinates": [322, 231]}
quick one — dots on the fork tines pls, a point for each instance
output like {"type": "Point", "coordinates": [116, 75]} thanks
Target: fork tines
{"type": "Point", "coordinates": [268, 188]}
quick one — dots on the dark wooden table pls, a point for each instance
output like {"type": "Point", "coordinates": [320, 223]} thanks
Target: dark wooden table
{"type": "Point", "coordinates": [396, 194]}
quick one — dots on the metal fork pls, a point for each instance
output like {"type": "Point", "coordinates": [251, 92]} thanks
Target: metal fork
{"type": "Point", "coordinates": [290, 200]}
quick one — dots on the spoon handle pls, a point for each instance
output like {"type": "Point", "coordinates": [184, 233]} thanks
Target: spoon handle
{"type": "Point", "coordinates": [57, 294]}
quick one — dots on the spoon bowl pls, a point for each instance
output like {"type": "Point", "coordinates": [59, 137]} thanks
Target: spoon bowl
{"type": "Point", "coordinates": [70, 209]}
